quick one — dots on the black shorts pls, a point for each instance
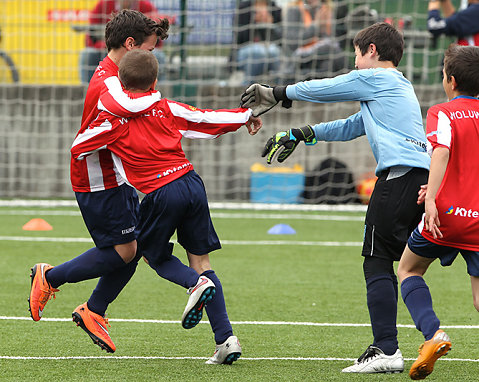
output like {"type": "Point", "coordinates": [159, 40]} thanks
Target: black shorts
{"type": "Point", "coordinates": [180, 206]}
{"type": "Point", "coordinates": [393, 213]}
{"type": "Point", "coordinates": [111, 216]}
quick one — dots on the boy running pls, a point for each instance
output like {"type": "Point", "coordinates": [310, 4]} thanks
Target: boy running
{"type": "Point", "coordinates": [148, 151]}
{"type": "Point", "coordinates": [108, 205]}
{"type": "Point", "coordinates": [391, 119]}
{"type": "Point", "coordinates": [451, 222]}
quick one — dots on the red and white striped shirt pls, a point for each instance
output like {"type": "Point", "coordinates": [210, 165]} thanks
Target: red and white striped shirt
{"type": "Point", "coordinates": [147, 149]}
{"type": "Point", "coordinates": [455, 125]}
{"type": "Point", "coordinates": [98, 171]}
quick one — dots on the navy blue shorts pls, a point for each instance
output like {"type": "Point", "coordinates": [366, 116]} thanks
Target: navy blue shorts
{"type": "Point", "coordinates": [111, 216]}
{"type": "Point", "coordinates": [181, 205]}
{"type": "Point", "coordinates": [424, 248]}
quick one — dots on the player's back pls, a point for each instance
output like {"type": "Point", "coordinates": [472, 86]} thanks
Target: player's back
{"type": "Point", "coordinates": [455, 124]}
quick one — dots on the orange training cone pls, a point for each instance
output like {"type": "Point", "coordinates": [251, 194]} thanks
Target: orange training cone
{"type": "Point", "coordinates": [37, 225]}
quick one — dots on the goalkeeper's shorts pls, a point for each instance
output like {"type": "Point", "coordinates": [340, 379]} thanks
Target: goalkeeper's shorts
{"type": "Point", "coordinates": [180, 206]}
{"type": "Point", "coordinates": [111, 216]}
{"type": "Point", "coordinates": [393, 213]}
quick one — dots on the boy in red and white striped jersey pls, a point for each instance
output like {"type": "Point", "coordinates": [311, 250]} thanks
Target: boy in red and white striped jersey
{"type": "Point", "coordinates": [108, 205]}
{"type": "Point", "coordinates": [451, 222]}
{"type": "Point", "coordinates": [147, 149]}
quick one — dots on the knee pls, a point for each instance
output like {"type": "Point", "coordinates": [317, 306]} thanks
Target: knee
{"type": "Point", "coordinates": [127, 251]}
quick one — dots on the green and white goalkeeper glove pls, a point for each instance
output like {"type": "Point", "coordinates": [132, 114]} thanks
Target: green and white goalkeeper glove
{"type": "Point", "coordinates": [261, 98]}
{"type": "Point", "coordinates": [282, 144]}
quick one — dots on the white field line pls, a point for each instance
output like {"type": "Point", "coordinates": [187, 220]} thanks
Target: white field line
{"type": "Point", "coordinates": [224, 242]}
{"type": "Point", "coordinates": [216, 215]}
{"type": "Point", "coordinates": [213, 205]}
{"type": "Point", "coordinates": [285, 323]}
{"type": "Point", "coordinates": [234, 323]}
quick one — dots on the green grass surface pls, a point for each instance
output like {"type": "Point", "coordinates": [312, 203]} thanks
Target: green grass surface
{"type": "Point", "coordinates": [263, 283]}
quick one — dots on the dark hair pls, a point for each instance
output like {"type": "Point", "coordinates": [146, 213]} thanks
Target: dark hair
{"type": "Point", "coordinates": [131, 23]}
{"type": "Point", "coordinates": [462, 62]}
{"type": "Point", "coordinates": [138, 69]}
{"type": "Point", "coordinates": [388, 40]}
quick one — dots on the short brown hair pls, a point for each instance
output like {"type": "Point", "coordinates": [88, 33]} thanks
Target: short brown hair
{"type": "Point", "coordinates": [462, 62]}
{"type": "Point", "coordinates": [388, 40]}
{"type": "Point", "coordinates": [131, 23]}
{"type": "Point", "coordinates": [138, 69]}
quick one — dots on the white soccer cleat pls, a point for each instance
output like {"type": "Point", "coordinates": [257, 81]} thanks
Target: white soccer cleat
{"type": "Point", "coordinates": [373, 360]}
{"type": "Point", "coordinates": [226, 353]}
{"type": "Point", "coordinates": [200, 294]}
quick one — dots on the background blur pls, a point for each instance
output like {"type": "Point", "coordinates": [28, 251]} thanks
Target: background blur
{"type": "Point", "coordinates": [41, 96]}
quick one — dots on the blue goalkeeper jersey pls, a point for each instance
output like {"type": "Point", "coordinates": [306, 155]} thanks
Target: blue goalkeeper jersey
{"type": "Point", "coordinates": [390, 115]}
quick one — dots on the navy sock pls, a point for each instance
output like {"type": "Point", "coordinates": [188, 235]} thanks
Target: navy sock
{"type": "Point", "coordinates": [216, 310]}
{"type": "Point", "coordinates": [175, 271]}
{"type": "Point", "coordinates": [109, 287]}
{"type": "Point", "coordinates": [89, 265]}
{"type": "Point", "coordinates": [382, 305]}
{"type": "Point", "coordinates": [415, 294]}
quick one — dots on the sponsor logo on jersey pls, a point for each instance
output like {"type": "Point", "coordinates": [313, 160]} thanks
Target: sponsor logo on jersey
{"type": "Point", "coordinates": [463, 212]}
{"type": "Point", "coordinates": [422, 145]}
{"type": "Point", "coordinates": [173, 170]}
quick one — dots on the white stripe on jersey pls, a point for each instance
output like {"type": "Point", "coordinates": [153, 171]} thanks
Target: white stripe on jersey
{"type": "Point", "coordinates": [197, 134]}
{"type": "Point", "coordinates": [208, 116]}
{"type": "Point", "coordinates": [120, 174]}
{"type": "Point", "coordinates": [89, 133]}
{"type": "Point", "coordinates": [95, 174]}
{"type": "Point", "coordinates": [444, 130]}
{"type": "Point", "coordinates": [133, 105]}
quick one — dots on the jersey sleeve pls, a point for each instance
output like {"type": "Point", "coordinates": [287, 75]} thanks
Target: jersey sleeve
{"type": "Point", "coordinates": [205, 123]}
{"type": "Point", "coordinates": [341, 129]}
{"type": "Point", "coordinates": [103, 131]}
{"type": "Point", "coordinates": [115, 101]}
{"type": "Point", "coordinates": [357, 85]}
{"type": "Point", "coordinates": [438, 128]}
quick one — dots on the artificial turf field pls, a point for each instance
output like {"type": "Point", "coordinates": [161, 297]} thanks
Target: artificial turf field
{"type": "Point", "coordinates": [297, 304]}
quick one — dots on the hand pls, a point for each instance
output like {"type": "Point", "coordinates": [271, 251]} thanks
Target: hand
{"type": "Point", "coordinates": [254, 124]}
{"type": "Point", "coordinates": [431, 219]}
{"type": "Point", "coordinates": [259, 98]}
{"type": "Point", "coordinates": [282, 144]}
{"type": "Point", "coordinates": [422, 194]}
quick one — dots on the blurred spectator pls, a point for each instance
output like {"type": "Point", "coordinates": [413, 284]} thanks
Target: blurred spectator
{"type": "Point", "coordinates": [258, 39]}
{"type": "Point", "coordinates": [309, 40]}
{"type": "Point", "coordinates": [95, 49]}
{"type": "Point", "coordinates": [463, 24]}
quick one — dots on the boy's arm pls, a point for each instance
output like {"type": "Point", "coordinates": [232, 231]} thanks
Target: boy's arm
{"type": "Point", "coordinates": [357, 85]}
{"type": "Point", "coordinates": [439, 137]}
{"type": "Point", "coordinates": [209, 124]}
{"type": "Point", "coordinates": [439, 161]}
{"type": "Point", "coordinates": [102, 132]}
{"type": "Point", "coordinates": [282, 144]}
{"type": "Point", "coordinates": [115, 101]}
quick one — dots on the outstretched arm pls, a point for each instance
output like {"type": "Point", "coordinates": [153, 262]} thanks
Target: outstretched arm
{"type": "Point", "coordinates": [193, 122]}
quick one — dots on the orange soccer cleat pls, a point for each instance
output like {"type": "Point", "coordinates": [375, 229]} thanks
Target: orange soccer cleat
{"type": "Point", "coordinates": [95, 326]}
{"type": "Point", "coordinates": [429, 352]}
{"type": "Point", "coordinates": [40, 292]}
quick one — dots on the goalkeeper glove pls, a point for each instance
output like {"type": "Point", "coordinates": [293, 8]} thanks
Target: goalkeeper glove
{"type": "Point", "coordinates": [283, 143]}
{"type": "Point", "coordinates": [261, 98]}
